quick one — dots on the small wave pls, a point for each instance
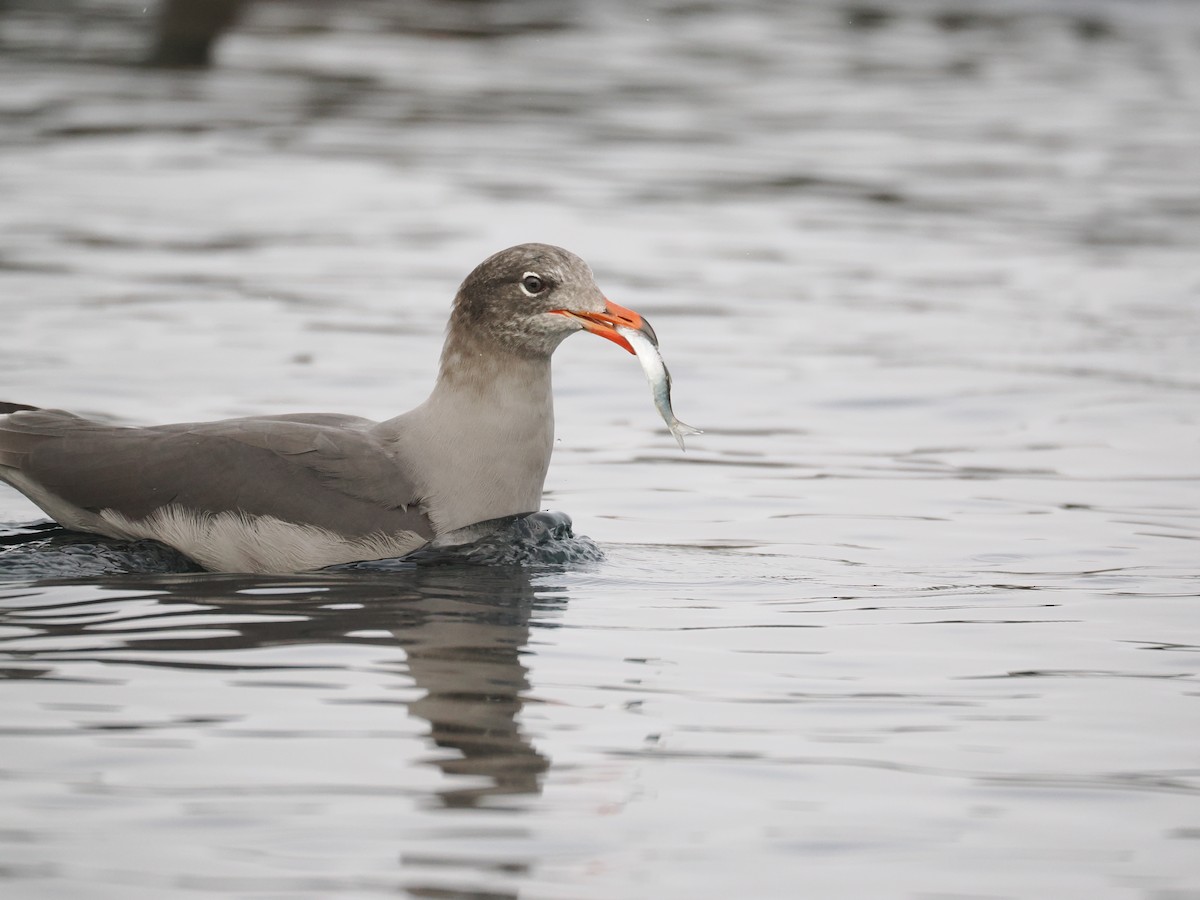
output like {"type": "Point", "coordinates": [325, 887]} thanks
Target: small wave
{"type": "Point", "coordinates": [542, 538]}
{"type": "Point", "coordinates": [47, 550]}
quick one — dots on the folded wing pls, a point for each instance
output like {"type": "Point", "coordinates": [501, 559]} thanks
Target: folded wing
{"type": "Point", "coordinates": [320, 472]}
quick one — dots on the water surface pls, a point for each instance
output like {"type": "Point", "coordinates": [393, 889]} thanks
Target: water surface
{"type": "Point", "coordinates": [916, 617]}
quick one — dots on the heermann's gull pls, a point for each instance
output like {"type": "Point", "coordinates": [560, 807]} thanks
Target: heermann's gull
{"type": "Point", "coordinates": [295, 492]}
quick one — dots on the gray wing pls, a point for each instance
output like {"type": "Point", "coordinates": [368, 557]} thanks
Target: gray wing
{"type": "Point", "coordinates": [324, 470]}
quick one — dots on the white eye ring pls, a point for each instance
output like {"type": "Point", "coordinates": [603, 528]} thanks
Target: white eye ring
{"type": "Point", "coordinates": [533, 284]}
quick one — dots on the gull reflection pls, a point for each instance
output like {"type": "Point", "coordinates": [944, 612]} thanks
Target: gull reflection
{"type": "Point", "coordinates": [463, 630]}
{"type": "Point", "coordinates": [465, 654]}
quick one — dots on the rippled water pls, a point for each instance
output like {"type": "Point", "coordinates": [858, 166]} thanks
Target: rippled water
{"type": "Point", "coordinates": [916, 617]}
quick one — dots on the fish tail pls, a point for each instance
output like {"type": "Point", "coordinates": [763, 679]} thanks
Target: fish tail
{"type": "Point", "coordinates": [679, 429]}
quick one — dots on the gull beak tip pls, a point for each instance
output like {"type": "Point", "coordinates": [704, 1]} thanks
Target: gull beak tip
{"type": "Point", "coordinates": [606, 323]}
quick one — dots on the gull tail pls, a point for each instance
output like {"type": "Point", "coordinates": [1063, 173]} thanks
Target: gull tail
{"type": "Point", "coordinates": [6, 408]}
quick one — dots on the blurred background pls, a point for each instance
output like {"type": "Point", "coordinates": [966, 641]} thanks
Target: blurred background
{"type": "Point", "coordinates": [914, 617]}
{"type": "Point", "coordinates": [851, 218]}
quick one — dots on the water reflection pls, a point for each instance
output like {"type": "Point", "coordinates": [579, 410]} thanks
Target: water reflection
{"type": "Point", "coordinates": [463, 650]}
{"type": "Point", "coordinates": [463, 631]}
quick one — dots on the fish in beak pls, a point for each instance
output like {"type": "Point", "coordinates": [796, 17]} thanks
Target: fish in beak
{"type": "Point", "coordinates": [628, 329]}
{"type": "Point", "coordinates": [606, 323]}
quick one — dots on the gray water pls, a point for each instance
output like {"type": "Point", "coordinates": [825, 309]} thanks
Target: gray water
{"type": "Point", "coordinates": [917, 617]}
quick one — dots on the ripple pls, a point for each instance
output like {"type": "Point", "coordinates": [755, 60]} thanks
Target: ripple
{"type": "Point", "coordinates": [45, 550]}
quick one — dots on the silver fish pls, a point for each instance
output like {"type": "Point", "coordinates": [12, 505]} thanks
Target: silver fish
{"type": "Point", "coordinates": [659, 378]}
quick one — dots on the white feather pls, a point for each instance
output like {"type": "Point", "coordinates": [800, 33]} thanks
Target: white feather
{"type": "Point", "coordinates": [235, 542]}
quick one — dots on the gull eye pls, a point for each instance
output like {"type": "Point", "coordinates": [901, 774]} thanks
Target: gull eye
{"type": "Point", "coordinates": [533, 284]}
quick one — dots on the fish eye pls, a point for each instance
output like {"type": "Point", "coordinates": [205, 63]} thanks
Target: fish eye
{"type": "Point", "coordinates": [533, 284]}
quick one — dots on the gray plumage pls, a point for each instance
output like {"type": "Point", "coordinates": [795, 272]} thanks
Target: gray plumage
{"type": "Point", "coordinates": [287, 493]}
{"type": "Point", "coordinates": [326, 470]}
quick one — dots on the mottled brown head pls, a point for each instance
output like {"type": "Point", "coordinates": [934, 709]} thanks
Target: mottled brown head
{"type": "Point", "coordinates": [530, 297]}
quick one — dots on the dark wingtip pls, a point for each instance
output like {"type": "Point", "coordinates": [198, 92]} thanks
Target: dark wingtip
{"type": "Point", "coordinates": [6, 408]}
